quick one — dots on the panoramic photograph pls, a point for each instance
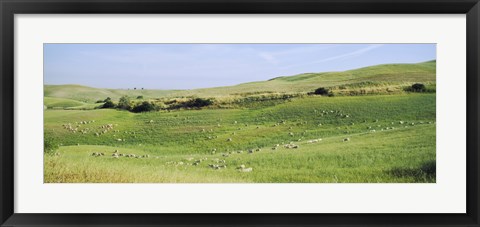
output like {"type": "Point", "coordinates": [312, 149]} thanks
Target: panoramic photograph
{"type": "Point", "coordinates": [239, 113]}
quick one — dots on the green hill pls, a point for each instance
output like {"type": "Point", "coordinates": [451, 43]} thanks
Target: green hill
{"type": "Point", "coordinates": [387, 77]}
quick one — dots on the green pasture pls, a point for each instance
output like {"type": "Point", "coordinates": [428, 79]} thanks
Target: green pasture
{"type": "Point", "coordinates": [391, 138]}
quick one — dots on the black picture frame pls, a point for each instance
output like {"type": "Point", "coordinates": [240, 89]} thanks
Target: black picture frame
{"type": "Point", "coordinates": [9, 8]}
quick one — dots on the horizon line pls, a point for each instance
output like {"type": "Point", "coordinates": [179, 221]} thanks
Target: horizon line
{"type": "Point", "coordinates": [186, 89]}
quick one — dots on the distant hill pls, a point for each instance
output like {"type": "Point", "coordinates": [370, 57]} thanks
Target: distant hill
{"type": "Point", "coordinates": [392, 74]}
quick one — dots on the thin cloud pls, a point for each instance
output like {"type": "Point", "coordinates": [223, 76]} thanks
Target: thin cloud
{"type": "Point", "coordinates": [341, 56]}
{"type": "Point", "coordinates": [268, 57]}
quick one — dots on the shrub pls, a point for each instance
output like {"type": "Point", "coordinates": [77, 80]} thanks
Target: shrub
{"type": "Point", "coordinates": [108, 104]}
{"type": "Point", "coordinates": [107, 99]}
{"type": "Point", "coordinates": [50, 144]}
{"type": "Point", "coordinates": [140, 97]}
{"type": "Point", "coordinates": [192, 103]}
{"type": "Point", "coordinates": [198, 102]}
{"type": "Point", "coordinates": [144, 107]}
{"type": "Point", "coordinates": [417, 88]}
{"type": "Point", "coordinates": [124, 103]}
{"type": "Point", "coordinates": [321, 91]}
{"type": "Point", "coordinates": [99, 101]}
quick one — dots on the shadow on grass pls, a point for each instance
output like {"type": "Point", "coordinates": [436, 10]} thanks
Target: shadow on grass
{"type": "Point", "coordinates": [426, 172]}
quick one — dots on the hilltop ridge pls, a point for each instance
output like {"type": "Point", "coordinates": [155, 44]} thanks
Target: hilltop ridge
{"type": "Point", "coordinates": [389, 74]}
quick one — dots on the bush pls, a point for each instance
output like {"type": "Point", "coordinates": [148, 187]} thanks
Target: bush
{"type": "Point", "coordinates": [321, 91]}
{"type": "Point", "coordinates": [198, 102]}
{"type": "Point", "coordinates": [99, 101]}
{"type": "Point", "coordinates": [418, 88]}
{"type": "Point", "coordinates": [108, 104]}
{"type": "Point", "coordinates": [124, 103]}
{"type": "Point", "coordinates": [192, 103]}
{"type": "Point", "coordinates": [140, 97]}
{"type": "Point", "coordinates": [50, 144]}
{"type": "Point", "coordinates": [107, 99]}
{"type": "Point", "coordinates": [144, 107]}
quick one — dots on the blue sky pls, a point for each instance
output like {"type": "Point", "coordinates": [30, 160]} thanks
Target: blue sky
{"type": "Point", "coordinates": [188, 66]}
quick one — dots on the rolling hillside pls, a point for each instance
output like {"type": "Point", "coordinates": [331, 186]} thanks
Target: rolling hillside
{"type": "Point", "coordinates": [388, 76]}
{"type": "Point", "coordinates": [370, 131]}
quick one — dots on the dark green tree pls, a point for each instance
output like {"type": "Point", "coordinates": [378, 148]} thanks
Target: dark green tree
{"type": "Point", "coordinates": [124, 103]}
{"type": "Point", "coordinates": [322, 91]}
{"type": "Point", "coordinates": [145, 106]}
{"type": "Point", "coordinates": [419, 87]}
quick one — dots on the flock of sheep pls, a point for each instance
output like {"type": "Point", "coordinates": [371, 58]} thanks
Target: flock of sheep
{"type": "Point", "coordinates": [103, 129]}
{"type": "Point", "coordinates": [74, 129]}
{"type": "Point", "coordinates": [218, 164]}
{"type": "Point", "coordinates": [116, 154]}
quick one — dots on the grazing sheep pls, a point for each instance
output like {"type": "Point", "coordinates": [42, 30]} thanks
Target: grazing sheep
{"type": "Point", "coordinates": [291, 146]}
{"type": "Point", "coordinates": [346, 139]}
{"type": "Point", "coordinates": [250, 151]}
{"type": "Point", "coordinates": [229, 139]}
{"type": "Point", "coordinates": [246, 170]}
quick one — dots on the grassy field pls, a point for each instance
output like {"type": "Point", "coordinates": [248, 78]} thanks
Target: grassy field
{"type": "Point", "coordinates": [374, 137]}
{"type": "Point", "coordinates": [399, 150]}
